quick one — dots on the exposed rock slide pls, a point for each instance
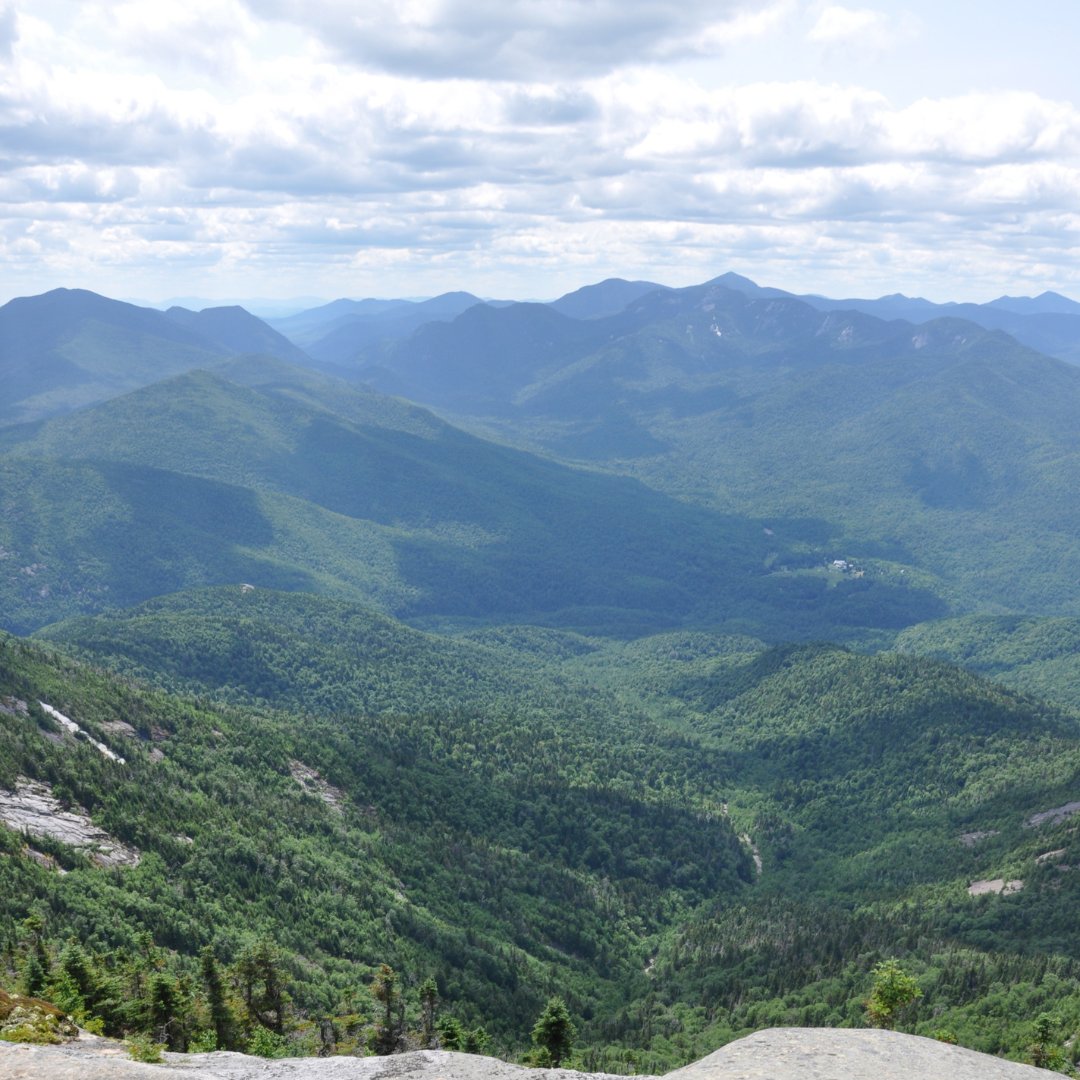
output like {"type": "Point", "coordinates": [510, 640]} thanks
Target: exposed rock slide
{"type": "Point", "coordinates": [32, 808]}
{"type": "Point", "coordinates": [776, 1054]}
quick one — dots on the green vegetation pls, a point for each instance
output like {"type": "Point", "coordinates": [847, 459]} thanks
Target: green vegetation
{"type": "Point", "coordinates": [943, 453]}
{"type": "Point", "coordinates": [552, 830]}
{"type": "Point", "coordinates": [421, 731]}
{"type": "Point", "coordinates": [553, 1033]}
{"type": "Point", "coordinates": [302, 484]}
{"type": "Point", "coordinates": [509, 854]}
{"type": "Point", "coordinates": [1036, 654]}
{"type": "Point", "coordinates": [893, 991]}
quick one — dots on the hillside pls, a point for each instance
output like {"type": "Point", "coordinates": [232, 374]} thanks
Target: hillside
{"type": "Point", "coordinates": [943, 452]}
{"type": "Point", "coordinates": [1039, 655]}
{"type": "Point", "coordinates": [351, 840]}
{"type": "Point", "coordinates": [70, 347]}
{"type": "Point", "coordinates": [872, 792]}
{"type": "Point", "coordinates": [547, 706]}
{"type": "Point", "coordinates": [295, 481]}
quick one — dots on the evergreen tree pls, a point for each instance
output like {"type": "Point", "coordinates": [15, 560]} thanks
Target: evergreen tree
{"type": "Point", "coordinates": [34, 976]}
{"type": "Point", "coordinates": [384, 990]}
{"type": "Point", "coordinates": [553, 1033]}
{"type": "Point", "coordinates": [451, 1033]}
{"type": "Point", "coordinates": [429, 1002]}
{"type": "Point", "coordinates": [221, 1017]}
{"type": "Point", "coordinates": [262, 986]}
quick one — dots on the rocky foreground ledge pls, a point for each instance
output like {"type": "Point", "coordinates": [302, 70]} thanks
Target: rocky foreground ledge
{"type": "Point", "coordinates": [776, 1054]}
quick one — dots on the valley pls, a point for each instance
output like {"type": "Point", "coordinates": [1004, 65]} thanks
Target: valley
{"type": "Point", "coordinates": [682, 653]}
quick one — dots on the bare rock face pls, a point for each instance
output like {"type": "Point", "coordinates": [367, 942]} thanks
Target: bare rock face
{"type": "Point", "coordinates": [777, 1054]}
{"type": "Point", "coordinates": [33, 808]}
{"type": "Point", "coordinates": [849, 1054]}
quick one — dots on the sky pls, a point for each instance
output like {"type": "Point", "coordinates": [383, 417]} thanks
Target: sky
{"type": "Point", "coordinates": [520, 149]}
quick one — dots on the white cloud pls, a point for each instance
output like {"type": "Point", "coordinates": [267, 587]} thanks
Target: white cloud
{"type": "Point", "coordinates": [9, 30]}
{"type": "Point", "coordinates": [260, 152]}
{"type": "Point", "coordinates": [839, 25]}
{"type": "Point", "coordinates": [207, 37]}
{"type": "Point", "coordinates": [521, 40]}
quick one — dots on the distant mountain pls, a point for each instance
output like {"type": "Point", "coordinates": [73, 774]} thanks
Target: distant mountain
{"type": "Point", "coordinates": [335, 334]}
{"type": "Point", "coordinates": [235, 330]}
{"type": "Point", "coordinates": [605, 298]}
{"type": "Point", "coordinates": [925, 446]}
{"type": "Point", "coordinates": [70, 347]}
{"type": "Point", "coordinates": [1049, 323]}
{"type": "Point", "coordinates": [309, 325]}
{"type": "Point", "coordinates": [1047, 303]}
{"type": "Point", "coordinates": [306, 484]}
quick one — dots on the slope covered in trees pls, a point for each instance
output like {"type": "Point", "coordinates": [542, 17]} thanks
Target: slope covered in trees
{"type": "Point", "coordinates": [873, 790]}
{"type": "Point", "coordinates": [407, 714]}
{"type": "Point", "coordinates": [285, 479]}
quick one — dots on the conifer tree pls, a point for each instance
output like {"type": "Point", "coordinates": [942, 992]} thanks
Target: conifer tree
{"type": "Point", "coordinates": [553, 1033]}
{"type": "Point", "coordinates": [221, 1017]}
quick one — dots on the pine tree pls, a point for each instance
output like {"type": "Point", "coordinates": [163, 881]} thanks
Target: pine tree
{"type": "Point", "coordinates": [384, 990]}
{"type": "Point", "coordinates": [553, 1033]}
{"type": "Point", "coordinates": [221, 1017]}
{"type": "Point", "coordinates": [429, 1002]}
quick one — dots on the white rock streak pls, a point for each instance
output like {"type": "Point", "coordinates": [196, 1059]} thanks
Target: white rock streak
{"type": "Point", "coordinates": [75, 730]}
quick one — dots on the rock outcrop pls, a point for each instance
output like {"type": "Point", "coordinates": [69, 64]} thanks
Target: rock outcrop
{"type": "Point", "coordinates": [776, 1054]}
{"type": "Point", "coordinates": [32, 808]}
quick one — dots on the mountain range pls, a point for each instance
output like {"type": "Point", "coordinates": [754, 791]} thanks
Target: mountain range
{"type": "Point", "coordinates": [687, 652]}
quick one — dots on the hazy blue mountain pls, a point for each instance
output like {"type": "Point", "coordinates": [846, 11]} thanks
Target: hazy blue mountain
{"type": "Point", "coordinates": [307, 484]}
{"type": "Point", "coordinates": [1049, 323]}
{"type": "Point", "coordinates": [350, 332]}
{"type": "Point", "coordinates": [235, 330]}
{"type": "Point", "coordinates": [69, 347]}
{"type": "Point", "coordinates": [604, 298]}
{"type": "Point", "coordinates": [1047, 303]}
{"type": "Point", "coordinates": [307, 326]}
{"type": "Point", "coordinates": [926, 446]}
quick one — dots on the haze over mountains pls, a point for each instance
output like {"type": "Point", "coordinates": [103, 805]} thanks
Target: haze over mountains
{"type": "Point", "coordinates": [616, 644]}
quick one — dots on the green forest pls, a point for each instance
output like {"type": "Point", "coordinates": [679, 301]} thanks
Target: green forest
{"type": "Point", "coordinates": [702, 666]}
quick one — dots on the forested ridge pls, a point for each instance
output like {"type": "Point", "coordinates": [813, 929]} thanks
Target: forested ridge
{"type": "Point", "coordinates": [563, 844]}
{"type": "Point", "coordinates": [734, 678]}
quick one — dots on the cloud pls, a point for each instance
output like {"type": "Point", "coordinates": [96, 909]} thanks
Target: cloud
{"type": "Point", "coordinates": [9, 31]}
{"type": "Point", "coordinates": [844, 26]}
{"type": "Point", "coordinates": [837, 23]}
{"type": "Point", "coordinates": [207, 38]}
{"type": "Point", "coordinates": [520, 40]}
{"type": "Point", "coordinates": [255, 150]}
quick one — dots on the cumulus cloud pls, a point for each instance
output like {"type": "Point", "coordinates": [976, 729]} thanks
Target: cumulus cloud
{"type": "Point", "coordinates": [9, 30]}
{"type": "Point", "coordinates": [520, 40]}
{"type": "Point", "coordinates": [260, 150]}
{"type": "Point", "coordinates": [208, 37]}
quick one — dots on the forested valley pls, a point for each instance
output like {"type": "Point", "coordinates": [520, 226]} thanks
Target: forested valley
{"type": "Point", "coordinates": [653, 667]}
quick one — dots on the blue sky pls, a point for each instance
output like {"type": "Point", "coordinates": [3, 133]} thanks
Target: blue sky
{"type": "Point", "coordinates": [241, 148]}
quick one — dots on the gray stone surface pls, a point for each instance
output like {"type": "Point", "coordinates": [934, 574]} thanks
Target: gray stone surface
{"type": "Point", "coordinates": [776, 1054]}
{"type": "Point", "coordinates": [849, 1054]}
{"type": "Point", "coordinates": [32, 807]}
